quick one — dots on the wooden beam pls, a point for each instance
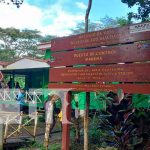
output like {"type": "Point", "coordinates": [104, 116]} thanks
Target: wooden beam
{"type": "Point", "coordinates": [126, 34]}
{"type": "Point", "coordinates": [135, 72]}
{"type": "Point", "coordinates": [94, 87]}
{"type": "Point", "coordinates": [66, 114]}
{"type": "Point", "coordinates": [136, 52]}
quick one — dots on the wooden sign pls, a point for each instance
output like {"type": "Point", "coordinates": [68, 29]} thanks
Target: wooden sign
{"type": "Point", "coordinates": [85, 87]}
{"type": "Point", "coordinates": [109, 73]}
{"type": "Point", "coordinates": [104, 55]}
{"type": "Point", "coordinates": [140, 27]}
{"type": "Point", "coordinates": [105, 37]}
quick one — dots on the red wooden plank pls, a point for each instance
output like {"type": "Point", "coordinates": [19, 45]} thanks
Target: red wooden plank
{"type": "Point", "coordinates": [121, 73]}
{"type": "Point", "coordinates": [66, 124]}
{"type": "Point", "coordinates": [104, 55]}
{"type": "Point", "coordinates": [111, 36]}
{"type": "Point", "coordinates": [127, 88]}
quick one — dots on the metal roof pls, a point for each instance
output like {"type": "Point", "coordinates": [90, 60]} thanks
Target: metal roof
{"type": "Point", "coordinates": [27, 63]}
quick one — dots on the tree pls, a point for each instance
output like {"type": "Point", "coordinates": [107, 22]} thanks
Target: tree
{"type": "Point", "coordinates": [143, 9]}
{"type": "Point", "coordinates": [103, 23]}
{"type": "Point", "coordinates": [80, 28]}
{"type": "Point", "coordinates": [122, 21]}
{"type": "Point", "coordinates": [108, 22]}
{"type": "Point", "coordinates": [47, 38]}
{"type": "Point", "coordinates": [87, 15]}
{"type": "Point", "coordinates": [7, 55]}
{"type": "Point", "coordinates": [86, 116]}
{"type": "Point", "coordinates": [17, 3]}
{"type": "Point", "coordinates": [15, 43]}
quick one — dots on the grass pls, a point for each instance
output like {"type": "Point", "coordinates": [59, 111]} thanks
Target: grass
{"type": "Point", "coordinates": [57, 146]}
{"type": "Point", "coordinates": [37, 146]}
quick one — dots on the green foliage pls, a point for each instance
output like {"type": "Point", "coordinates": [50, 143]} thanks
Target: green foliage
{"type": "Point", "coordinates": [107, 148]}
{"type": "Point", "coordinates": [47, 38]}
{"type": "Point", "coordinates": [122, 21]}
{"type": "Point", "coordinates": [141, 100]}
{"type": "Point", "coordinates": [80, 28]}
{"type": "Point", "coordinates": [15, 43]}
{"type": "Point", "coordinates": [103, 23]}
{"type": "Point", "coordinates": [108, 22]}
{"type": "Point", "coordinates": [143, 9]}
{"type": "Point", "coordinates": [20, 80]}
{"type": "Point", "coordinates": [55, 147]}
{"type": "Point", "coordinates": [94, 132]}
{"type": "Point", "coordinates": [122, 125]}
{"type": "Point", "coordinates": [7, 55]}
{"type": "Point", "coordinates": [39, 146]}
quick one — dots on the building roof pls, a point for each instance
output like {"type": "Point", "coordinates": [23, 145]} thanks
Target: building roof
{"type": "Point", "coordinates": [27, 63]}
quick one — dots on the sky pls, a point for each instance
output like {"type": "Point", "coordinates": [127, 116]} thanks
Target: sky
{"type": "Point", "coordinates": [58, 17]}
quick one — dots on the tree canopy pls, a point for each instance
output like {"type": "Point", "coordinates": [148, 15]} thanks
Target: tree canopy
{"type": "Point", "coordinates": [143, 9]}
{"type": "Point", "coordinates": [15, 43]}
{"type": "Point", "coordinates": [103, 23]}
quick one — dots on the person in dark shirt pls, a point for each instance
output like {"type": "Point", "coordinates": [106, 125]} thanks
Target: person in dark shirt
{"type": "Point", "coordinates": [10, 83]}
{"type": "Point", "coordinates": [17, 86]}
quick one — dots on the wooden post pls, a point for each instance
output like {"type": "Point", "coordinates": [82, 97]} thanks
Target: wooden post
{"type": "Point", "coordinates": [47, 131]}
{"type": "Point", "coordinates": [66, 125]}
{"type": "Point", "coordinates": [1, 134]}
{"type": "Point", "coordinates": [35, 124]}
{"type": "Point", "coordinates": [49, 121]}
{"type": "Point", "coordinates": [20, 122]}
{"type": "Point", "coordinates": [86, 121]}
{"type": "Point", "coordinates": [6, 128]}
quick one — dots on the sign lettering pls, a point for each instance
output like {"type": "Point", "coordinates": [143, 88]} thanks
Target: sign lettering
{"type": "Point", "coordinates": [104, 55]}
{"type": "Point", "coordinates": [110, 73]}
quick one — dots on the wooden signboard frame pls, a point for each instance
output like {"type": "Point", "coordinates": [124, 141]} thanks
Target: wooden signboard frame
{"type": "Point", "coordinates": [112, 55]}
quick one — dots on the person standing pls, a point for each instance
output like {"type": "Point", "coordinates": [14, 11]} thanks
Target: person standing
{"type": "Point", "coordinates": [21, 100]}
{"type": "Point", "coordinates": [17, 86]}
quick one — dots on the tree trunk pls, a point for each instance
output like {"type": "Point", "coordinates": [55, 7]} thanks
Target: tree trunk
{"type": "Point", "coordinates": [86, 119]}
{"type": "Point", "coordinates": [87, 16]}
